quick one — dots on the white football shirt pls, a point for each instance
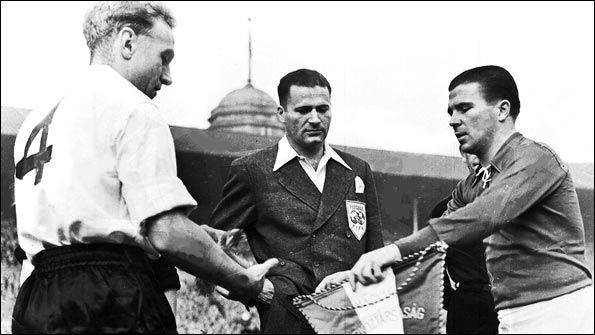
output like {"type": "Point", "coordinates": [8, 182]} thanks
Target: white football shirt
{"type": "Point", "coordinates": [96, 169]}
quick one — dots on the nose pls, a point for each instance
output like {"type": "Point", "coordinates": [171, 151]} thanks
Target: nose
{"type": "Point", "coordinates": [314, 117]}
{"type": "Point", "coordinates": [455, 120]}
{"type": "Point", "coordinates": [166, 76]}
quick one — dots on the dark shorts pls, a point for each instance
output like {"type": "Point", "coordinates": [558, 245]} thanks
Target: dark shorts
{"type": "Point", "coordinates": [471, 311]}
{"type": "Point", "coordinates": [93, 288]}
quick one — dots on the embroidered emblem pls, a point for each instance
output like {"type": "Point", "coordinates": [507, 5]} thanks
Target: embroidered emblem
{"type": "Point", "coordinates": [356, 216]}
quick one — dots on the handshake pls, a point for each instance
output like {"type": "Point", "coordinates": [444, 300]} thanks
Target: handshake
{"type": "Point", "coordinates": [235, 244]}
{"type": "Point", "coordinates": [367, 270]}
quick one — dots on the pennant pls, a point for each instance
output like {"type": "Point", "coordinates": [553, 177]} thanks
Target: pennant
{"type": "Point", "coordinates": [410, 301]}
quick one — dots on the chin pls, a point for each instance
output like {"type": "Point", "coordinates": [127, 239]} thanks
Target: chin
{"type": "Point", "coordinates": [465, 147]}
{"type": "Point", "coordinates": [315, 141]}
{"type": "Point", "coordinates": [311, 143]}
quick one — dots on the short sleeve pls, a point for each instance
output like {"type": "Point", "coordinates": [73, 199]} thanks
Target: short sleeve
{"type": "Point", "coordinates": [146, 166]}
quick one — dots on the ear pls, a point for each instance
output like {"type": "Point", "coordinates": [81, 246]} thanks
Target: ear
{"type": "Point", "coordinates": [503, 109]}
{"type": "Point", "coordinates": [126, 42]}
{"type": "Point", "coordinates": [281, 114]}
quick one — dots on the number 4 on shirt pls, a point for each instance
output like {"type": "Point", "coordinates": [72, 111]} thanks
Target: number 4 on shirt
{"type": "Point", "coordinates": [37, 160]}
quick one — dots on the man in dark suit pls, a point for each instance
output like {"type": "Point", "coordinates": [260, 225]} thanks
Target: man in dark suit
{"type": "Point", "coordinates": [312, 207]}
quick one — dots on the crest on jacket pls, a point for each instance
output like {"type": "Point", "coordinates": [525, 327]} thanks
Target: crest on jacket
{"type": "Point", "coordinates": [356, 216]}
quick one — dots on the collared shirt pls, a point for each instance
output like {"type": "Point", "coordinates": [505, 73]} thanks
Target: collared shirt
{"type": "Point", "coordinates": [112, 166]}
{"type": "Point", "coordinates": [286, 153]}
{"type": "Point", "coordinates": [529, 219]}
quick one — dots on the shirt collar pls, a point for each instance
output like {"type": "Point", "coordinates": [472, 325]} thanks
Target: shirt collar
{"type": "Point", "coordinates": [498, 160]}
{"type": "Point", "coordinates": [285, 153]}
{"type": "Point", "coordinates": [508, 145]}
{"type": "Point", "coordinates": [106, 70]}
{"type": "Point", "coordinates": [107, 73]}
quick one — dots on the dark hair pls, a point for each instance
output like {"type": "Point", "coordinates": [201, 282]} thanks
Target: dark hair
{"type": "Point", "coordinates": [496, 83]}
{"type": "Point", "coordinates": [106, 19]}
{"type": "Point", "coordinates": [301, 77]}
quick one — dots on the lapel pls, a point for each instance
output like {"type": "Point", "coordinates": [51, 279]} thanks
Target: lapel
{"type": "Point", "coordinates": [295, 180]}
{"type": "Point", "coordinates": [336, 185]}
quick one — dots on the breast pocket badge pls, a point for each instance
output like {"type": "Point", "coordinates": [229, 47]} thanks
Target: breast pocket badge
{"type": "Point", "coordinates": [356, 216]}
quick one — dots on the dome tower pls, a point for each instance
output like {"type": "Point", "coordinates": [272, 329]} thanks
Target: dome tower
{"type": "Point", "coordinates": [247, 110]}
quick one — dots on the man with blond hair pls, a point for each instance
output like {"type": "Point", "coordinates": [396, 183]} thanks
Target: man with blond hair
{"type": "Point", "coordinates": [101, 197]}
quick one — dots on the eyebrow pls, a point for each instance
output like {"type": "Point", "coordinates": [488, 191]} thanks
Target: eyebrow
{"type": "Point", "coordinates": [312, 106]}
{"type": "Point", "coordinates": [458, 107]}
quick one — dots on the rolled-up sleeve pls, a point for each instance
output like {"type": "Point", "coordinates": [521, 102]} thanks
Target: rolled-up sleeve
{"type": "Point", "coordinates": [146, 166]}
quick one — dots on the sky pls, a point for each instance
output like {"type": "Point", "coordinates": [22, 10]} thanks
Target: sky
{"type": "Point", "coordinates": [389, 63]}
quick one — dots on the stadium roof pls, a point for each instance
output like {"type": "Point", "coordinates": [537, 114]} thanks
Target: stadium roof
{"type": "Point", "coordinates": [392, 162]}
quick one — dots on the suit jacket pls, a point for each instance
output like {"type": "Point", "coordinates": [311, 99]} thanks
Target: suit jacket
{"type": "Point", "coordinates": [286, 217]}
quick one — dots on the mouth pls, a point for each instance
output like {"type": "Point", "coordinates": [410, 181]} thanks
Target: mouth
{"type": "Point", "coordinates": [316, 132]}
{"type": "Point", "coordinates": [460, 135]}
{"type": "Point", "coordinates": [155, 90]}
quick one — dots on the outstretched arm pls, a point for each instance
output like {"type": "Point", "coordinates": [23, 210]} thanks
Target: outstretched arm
{"type": "Point", "coordinates": [367, 270]}
{"type": "Point", "coordinates": [190, 248]}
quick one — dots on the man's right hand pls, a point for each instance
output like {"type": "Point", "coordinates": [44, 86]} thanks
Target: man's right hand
{"type": "Point", "coordinates": [368, 269]}
{"type": "Point", "coordinates": [191, 249]}
{"type": "Point", "coordinates": [254, 278]}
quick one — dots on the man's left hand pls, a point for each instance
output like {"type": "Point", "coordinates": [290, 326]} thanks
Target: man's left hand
{"type": "Point", "coordinates": [336, 278]}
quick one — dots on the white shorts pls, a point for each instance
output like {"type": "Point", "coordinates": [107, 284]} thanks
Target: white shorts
{"type": "Point", "coordinates": [570, 313]}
